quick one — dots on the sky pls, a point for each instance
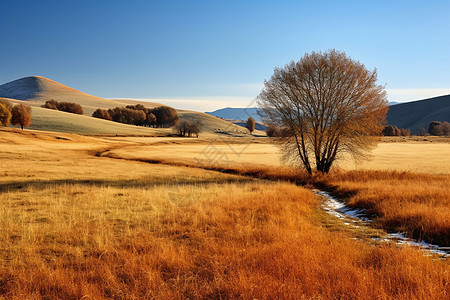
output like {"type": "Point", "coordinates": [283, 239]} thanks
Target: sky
{"type": "Point", "coordinates": [206, 55]}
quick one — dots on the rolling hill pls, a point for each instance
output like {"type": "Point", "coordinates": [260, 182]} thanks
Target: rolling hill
{"type": "Point", "coordinates": [417, 114]}
{"type": "Point", "coordinates": [35, 90]}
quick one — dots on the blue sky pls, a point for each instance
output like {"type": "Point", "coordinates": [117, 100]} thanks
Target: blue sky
{"type": "Point", "coordinates": [210, 54]}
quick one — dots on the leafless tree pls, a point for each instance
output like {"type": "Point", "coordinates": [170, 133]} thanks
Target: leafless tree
{"type": "Point", "coordinates": [21, 115]}
{"type": "Point", "coordinates": [422, 132]}
{"type": "Point", "coordinates": [330, 105]}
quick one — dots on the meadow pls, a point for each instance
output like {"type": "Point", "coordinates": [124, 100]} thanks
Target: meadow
{"type": "Point", "coordinates": [169, 218]}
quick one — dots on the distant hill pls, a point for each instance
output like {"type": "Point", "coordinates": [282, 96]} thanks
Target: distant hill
{"type": "Point", "coordinates": [237, 113]}
{"type": "Point", "coordinates": [35, 90]}
{"type": "Point", "coordinates": [417, 114]}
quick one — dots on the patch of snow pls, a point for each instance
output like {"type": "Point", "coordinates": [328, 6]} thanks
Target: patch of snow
{"type": "Point", "coordinates": [355, 216]}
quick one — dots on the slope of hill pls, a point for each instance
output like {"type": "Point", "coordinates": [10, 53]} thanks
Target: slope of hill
{"type": "Point", "coordinates": [417, 114]}
{"type": "Point", "coordinates": [35, 90]}
{"type": "Point", "coordinates": [208, 122]}
{"type": "Point", "coordinates": [237, 113]}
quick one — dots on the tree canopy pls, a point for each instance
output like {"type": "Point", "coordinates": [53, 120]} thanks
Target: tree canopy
{"type": "Point", "coordinates": [327, 105]}
{"type": "Point", "coordinates": [21, 115]}
{"type": "Point", "coordinates": [250, 125]}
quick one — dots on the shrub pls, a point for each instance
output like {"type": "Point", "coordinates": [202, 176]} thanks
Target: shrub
{"type": "Point", "coordinates": [435, 128]}
{"type": "Point", "coordinates": [271, 131]}
{"type": "Point", "coordinates": [150, 120]}
{"type": "Point", "coordinates": [390, 130]}
{"type": "Point", "coordinates": [422, 132]}
{"type": "Point", "coordinates": [21, 115]}
{"type": "Point", "coordinates": [187, 128]}
{"type": "Point", "coordinates": [127, 116]}
{"type": "Point", "coordinates": [165, 116]}
{"type": "Point", "coordinates": [102, 114]}
{"type": "Point", "coordinates": [250, 125]}
{"type": "Point", "coordinates": [51, 104]}
{"type": "Point", "coordinates": [7, 104]}
{"type": "Point", "coordinates": [69, 107]}
{"type": "Point", "coordinates": [5, 115]}
{"type": "Point", "coordinates": [446, 128]}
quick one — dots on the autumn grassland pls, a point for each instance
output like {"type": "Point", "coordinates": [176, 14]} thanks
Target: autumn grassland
{"type": "Point", "coordinates": [170, 218]}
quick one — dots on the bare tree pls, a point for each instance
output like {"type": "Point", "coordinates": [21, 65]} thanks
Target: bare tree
{"type": "Point", "coordinates": [422, 132]}
{"type": "Point", "coordinates": [187, 128]}
{"type": "Point", "coordinates": [330, 105]}
{"type": "Point", "coordinates": [21, 115]}
{"type": "Point", "coordinates": [250, 125]}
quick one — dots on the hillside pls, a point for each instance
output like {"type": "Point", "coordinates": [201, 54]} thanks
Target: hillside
{"type": "Point", "coordinates": [417, 114]}
{"type": "Point", "coordinates": [35, 90]}
{"type": "Point", "coordinates": [233, 113]}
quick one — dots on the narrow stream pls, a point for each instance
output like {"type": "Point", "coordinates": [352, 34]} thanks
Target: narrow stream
{"type": "Point", "coordinates": [357, 218]}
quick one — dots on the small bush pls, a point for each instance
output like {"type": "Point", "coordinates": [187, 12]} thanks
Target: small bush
{"type": "Point", "coordinates": [5, 115]}
{"type": "Point", "coordinates": [187, 128]}
{"type": "Point", "coordinates": [250, 125]}
{"type": "Point", "coordinates": [69, 107]}
{"type": "Point", "coordinates": [165, 116]}
{"type": "Point", "coordinates": [102, 114]}
{"type": "Point", "coordinates": [439, 128]}
{"type": "Point", "coordinates": [390, 130]}
{"type": "Point", "coordinates": [7, 104]}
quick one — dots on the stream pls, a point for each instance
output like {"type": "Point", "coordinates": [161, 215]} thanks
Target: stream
{"type": "Point", "coordinates": [358, 219]}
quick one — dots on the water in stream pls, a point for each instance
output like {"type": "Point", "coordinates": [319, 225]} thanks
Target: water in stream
{"type": "Point", "coordinates": [357, 218]}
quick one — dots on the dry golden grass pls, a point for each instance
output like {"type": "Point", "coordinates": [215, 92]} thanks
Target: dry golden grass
{"type": "Point", "coordinates": [393, 154]}
{"type": "Point", "coordinates": [76, 225]}
{"type": "Point", "coordinates": [240, 240]}
{"type": "Point", "coordinates": [418, 204]}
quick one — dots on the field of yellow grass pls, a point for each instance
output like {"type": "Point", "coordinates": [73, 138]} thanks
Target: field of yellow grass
{"type": "Point", "coordinates": [77, 223]}
{"type": "Point", "coordinates": [431, 157]}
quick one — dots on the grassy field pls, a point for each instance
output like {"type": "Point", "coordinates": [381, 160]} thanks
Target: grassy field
{"type": "Point", "coordinates": [77, 223]}
{"type": "Point", "coordinates": [392, 154]}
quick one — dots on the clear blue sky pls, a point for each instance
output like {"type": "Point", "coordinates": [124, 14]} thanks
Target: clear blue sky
{"type": "Point", "coordinates": [219, 51]}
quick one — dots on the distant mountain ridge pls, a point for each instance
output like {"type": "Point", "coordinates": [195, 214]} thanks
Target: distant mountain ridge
{"type": "Point", "coordinates": [409, 115]}
{"type": "Point", "coordinates": [419, 114]}
{"type": "Point", "coordinates": [233, 113]}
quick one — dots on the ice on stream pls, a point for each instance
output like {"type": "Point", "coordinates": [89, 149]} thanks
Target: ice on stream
{"type": "Point", "coordinates": [357, 217]}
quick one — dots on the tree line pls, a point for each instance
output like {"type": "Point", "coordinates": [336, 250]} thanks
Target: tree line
{"type": "Point", "coordinates": [439, 128]}
{"type": "Point", "coordinates": [435, 128]}
{"type": "Point", "coordinates": [69, 107]}
{"type": "Point", "coordinates": [161, 116]}
{"type": "Point", "coordinates": [390, 130]}
{"type": "Point", "coordinates": [19, 114]}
